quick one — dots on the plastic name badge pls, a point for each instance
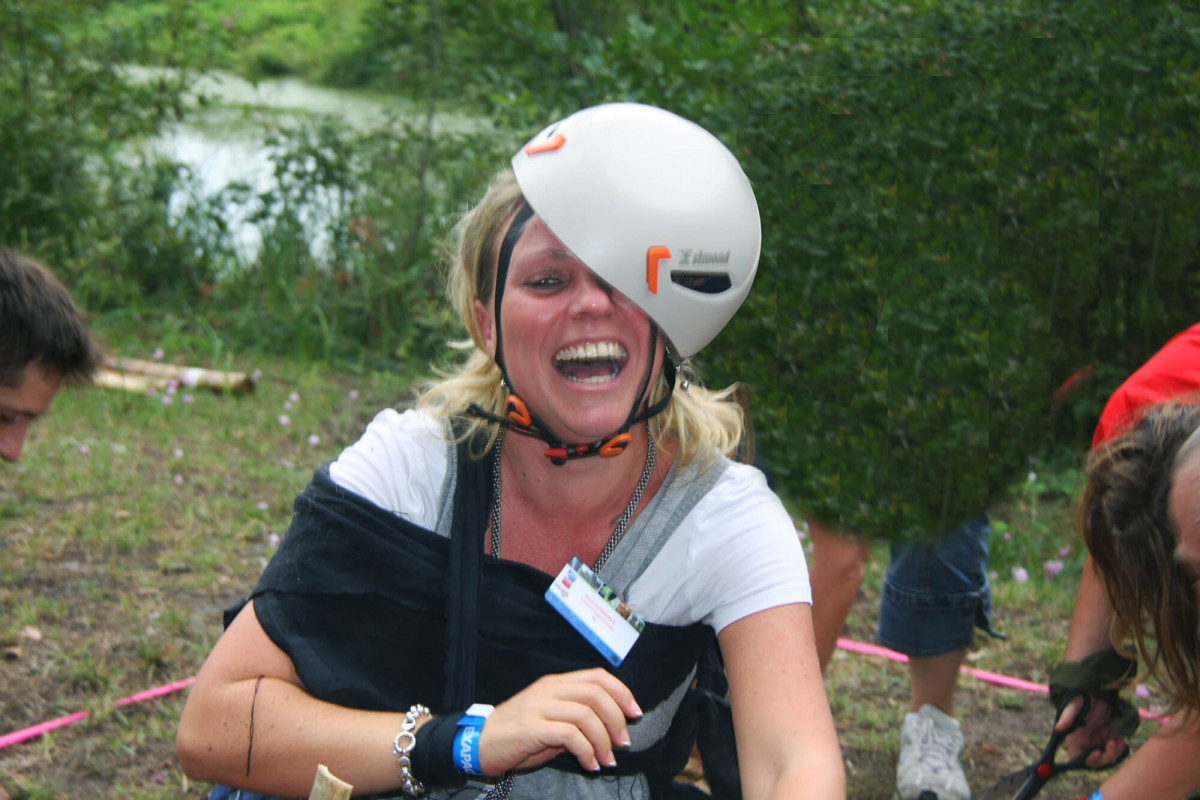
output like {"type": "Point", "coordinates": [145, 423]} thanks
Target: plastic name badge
{"type": "Point", "coordinates": [595, 610]}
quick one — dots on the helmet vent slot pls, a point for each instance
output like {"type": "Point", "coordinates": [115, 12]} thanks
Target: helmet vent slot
{"type": "Point", "coordinates": [703, 282]}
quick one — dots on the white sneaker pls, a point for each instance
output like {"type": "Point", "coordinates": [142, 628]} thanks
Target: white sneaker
{"type": "Point", "coordinates": [930, 766]}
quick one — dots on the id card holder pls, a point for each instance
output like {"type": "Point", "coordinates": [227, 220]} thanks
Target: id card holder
{"type": "Point", "coordinates": [595, 610]}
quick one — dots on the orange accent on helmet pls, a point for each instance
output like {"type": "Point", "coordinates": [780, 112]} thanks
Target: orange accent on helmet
{"type": "Point", "coordinates": [556, 141]}
{"type": "Point", "coordinates": [653, 256]}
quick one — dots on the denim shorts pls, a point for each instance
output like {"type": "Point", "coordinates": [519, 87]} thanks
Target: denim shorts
{"type": "Point", "coordinates": [226, 793]}
{"type": "Point", "coordinates": [935, 595]}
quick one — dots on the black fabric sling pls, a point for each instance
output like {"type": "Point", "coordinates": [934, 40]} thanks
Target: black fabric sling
{"type": "Point", "coordinates": [360, 600]}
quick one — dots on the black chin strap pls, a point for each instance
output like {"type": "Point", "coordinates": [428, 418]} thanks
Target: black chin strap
{"type": "Point", "coordinates": [517, 416]}
{"type": "Point", "coordinates": [519, 419]}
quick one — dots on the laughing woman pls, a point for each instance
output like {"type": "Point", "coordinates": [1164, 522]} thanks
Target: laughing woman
{"type": "Point", "coordinates": [506, 590]}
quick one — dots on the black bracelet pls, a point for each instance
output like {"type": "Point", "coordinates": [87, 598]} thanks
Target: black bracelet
{"type": "Point", "coordinates": [433, 753]}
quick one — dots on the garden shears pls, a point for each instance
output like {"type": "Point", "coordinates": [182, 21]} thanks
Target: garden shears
{"type": "Point", "coordinates": [1027, 782]}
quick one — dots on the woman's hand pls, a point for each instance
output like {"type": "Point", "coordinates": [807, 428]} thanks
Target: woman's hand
{"type": "Point", "coordinates": [583, 713]}
{"type": "Point", "coordinates": [1094, 734]}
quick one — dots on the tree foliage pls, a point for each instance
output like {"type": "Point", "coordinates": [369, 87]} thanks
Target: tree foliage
{"type": "Point", "coordinates": [963, 205]}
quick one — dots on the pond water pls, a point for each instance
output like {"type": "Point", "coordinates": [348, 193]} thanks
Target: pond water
{"type": "Point", "coordinates": [223, 138]}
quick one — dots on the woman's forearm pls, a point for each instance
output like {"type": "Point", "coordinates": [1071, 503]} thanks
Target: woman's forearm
{"type": "Point", "coordinates": [1091, 618]}
{"type": "Point", "coordinates": [1166, 767]}
{"type": "Point", "coordinates": [268, 735]}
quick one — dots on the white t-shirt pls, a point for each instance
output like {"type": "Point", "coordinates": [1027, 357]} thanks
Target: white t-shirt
{"type": "Point", "coordinates": [736, 553]}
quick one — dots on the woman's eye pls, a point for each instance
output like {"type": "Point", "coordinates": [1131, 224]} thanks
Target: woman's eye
{"type": "Point", "coordinates": [545, 282]}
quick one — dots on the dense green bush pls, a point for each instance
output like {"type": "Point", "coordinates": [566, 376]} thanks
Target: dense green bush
{"type": "Point", "coordinates": [963, 205]}
{"type": "Point", "coordinates": [64, 104]}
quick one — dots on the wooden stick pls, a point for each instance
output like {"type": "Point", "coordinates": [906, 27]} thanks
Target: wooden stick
{"type": "Point", "coordinates": [135, 375]}
{"type": "Point", "coordinates": [327, 787]}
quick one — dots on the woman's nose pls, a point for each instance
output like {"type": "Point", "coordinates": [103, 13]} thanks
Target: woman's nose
{"type": "Point", "coordinates": [593, 296]}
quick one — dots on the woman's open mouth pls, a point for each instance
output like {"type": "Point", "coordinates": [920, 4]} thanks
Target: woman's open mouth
{"type": "Point", "coordinates": [594, 362]}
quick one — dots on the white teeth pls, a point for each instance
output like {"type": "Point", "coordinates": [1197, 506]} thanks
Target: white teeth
{"type": "Point", "coordinates": [592, 351]}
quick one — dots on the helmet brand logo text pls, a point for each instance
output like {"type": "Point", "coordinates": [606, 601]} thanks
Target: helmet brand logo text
{"type": "Point", "coordinates": [702, 257]}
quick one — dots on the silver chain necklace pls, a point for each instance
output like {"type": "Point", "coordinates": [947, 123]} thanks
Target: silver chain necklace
{"type": "Point", "coordinates": [622, 521]}
{"type": "Point", "coordinates": [503, 787]}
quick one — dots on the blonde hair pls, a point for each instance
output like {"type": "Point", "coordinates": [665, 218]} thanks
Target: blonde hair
{"type": "Point", "coordinates": [700, 424]}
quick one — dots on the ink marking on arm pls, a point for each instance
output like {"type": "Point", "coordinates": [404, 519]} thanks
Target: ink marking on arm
{"type": "Point", "coordinates": [250, 749]}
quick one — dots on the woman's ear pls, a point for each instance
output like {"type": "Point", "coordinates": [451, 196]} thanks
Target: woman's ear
{"type": "Point", "coordinates": [483, 320]}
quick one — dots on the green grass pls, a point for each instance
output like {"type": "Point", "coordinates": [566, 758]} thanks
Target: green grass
{"type": "Point", "coordinates": [125, 529]}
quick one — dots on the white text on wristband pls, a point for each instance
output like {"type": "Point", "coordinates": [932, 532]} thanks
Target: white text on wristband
{"type": "Point", "coordinates": [466, 750]}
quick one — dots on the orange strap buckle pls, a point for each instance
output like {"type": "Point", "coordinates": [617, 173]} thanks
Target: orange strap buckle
{"type": "Point", "coordinates": [515, 410]}
{"type": "Point", "coordinates": [615, 446]}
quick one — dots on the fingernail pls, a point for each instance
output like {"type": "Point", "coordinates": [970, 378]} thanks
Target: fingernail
{"type": "Point", "coordinates": [637, 710]}
{"type": "Point", "coordinates": [623, 740]}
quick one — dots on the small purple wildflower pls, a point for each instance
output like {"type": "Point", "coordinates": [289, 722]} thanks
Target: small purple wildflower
{"type": "Point", "coordinates": [261, 505]}
{"type": "Point", "coordinates": [178, 480]}
{"type": "Point", "coordinates": [314, 440]}
{"type": "Point", "coordinates": [84, 450]}
{"type": "Point", "coordinates": [1064, 552]}
{"type": "Point", "coordinates": [1020, 575]}
{"type": "Point", "coordinates": [294, 397]}
{"type": "Point", "coordinates": [352, 394]}
{"type": "Point", "coordinates": [188, 399]}
{"type": "Point", "coordinates": [1142, 691]}
{"type": "Point", "coordinates": [1052, 567]}
{"type": "Point", "coordinates": [287, 405]}
{"type": "Point", "coordinates": [167, 399]}
{"type": "Point", "coordinates": [285, 420]}
{"type": "Point", "coordinates": [273, 540]}
{"type": "Point", "coordinates": [158, 354]}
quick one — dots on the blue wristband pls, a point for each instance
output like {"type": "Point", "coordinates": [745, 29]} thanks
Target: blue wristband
{"type": "Point", "coordinates": [466, 741]}
{"type": "Point", "coordinates": [466, 750]}
{"type": "Point", "coordinates": [1096, 795]}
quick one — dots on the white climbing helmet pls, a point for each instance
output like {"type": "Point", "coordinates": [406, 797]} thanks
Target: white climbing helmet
{"type": "Point", "coordinates": [653, 204]}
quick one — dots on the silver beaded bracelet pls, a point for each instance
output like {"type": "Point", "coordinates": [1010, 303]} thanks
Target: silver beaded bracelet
{"type": "Point", "coordinates": [402, 746]}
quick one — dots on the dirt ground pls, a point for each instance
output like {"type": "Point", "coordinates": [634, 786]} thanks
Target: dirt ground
{"type": "Point", "coordinates": [129, 752]}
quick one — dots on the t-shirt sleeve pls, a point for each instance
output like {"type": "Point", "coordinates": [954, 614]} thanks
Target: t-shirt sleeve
{"type": "Point", "coordinates": [1171, 373]}
{"type": "Point", "coordinates": [735, 554]}
{"type": "Point", "coordinates": [399, 464]}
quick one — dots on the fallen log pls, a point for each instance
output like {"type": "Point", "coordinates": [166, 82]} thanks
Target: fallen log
{"type": "Point", "coordinates": [136, 375]}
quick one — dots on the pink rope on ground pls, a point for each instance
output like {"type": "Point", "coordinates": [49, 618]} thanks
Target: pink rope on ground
{"type": "Point", "coordinates": [980, 674]}
{"type": "Point", "coordinates": [850, 645]}
{"type": "Point", "coordinates": [17, 737]}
